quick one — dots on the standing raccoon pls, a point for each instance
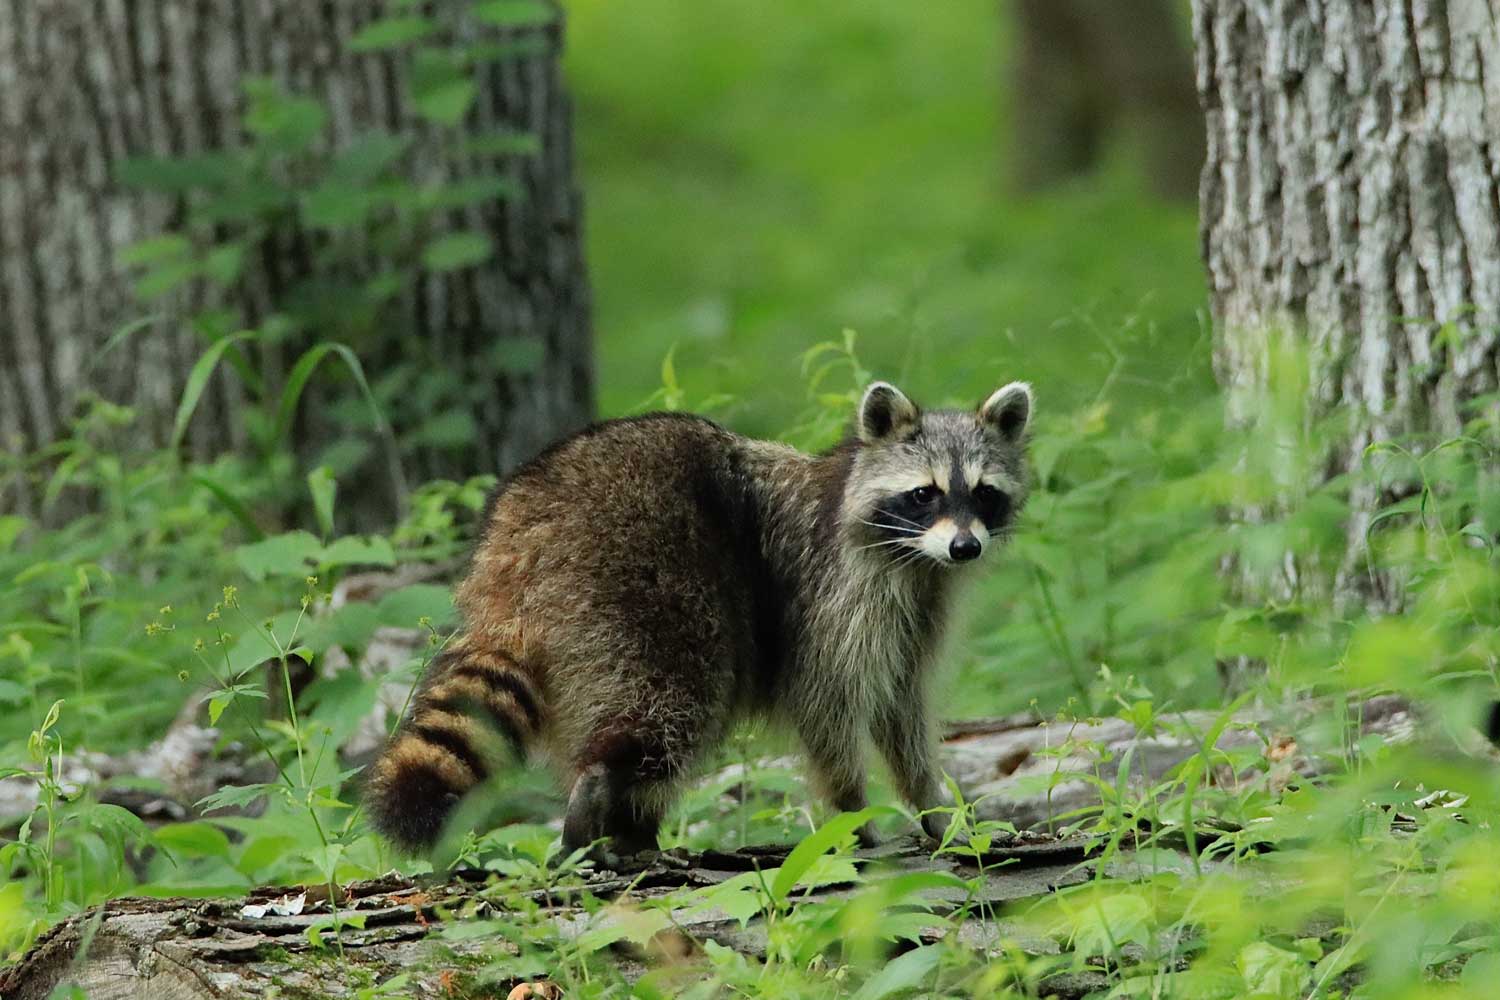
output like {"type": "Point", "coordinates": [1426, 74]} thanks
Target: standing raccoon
{"type": "Point", "coordinates": [645, 583]}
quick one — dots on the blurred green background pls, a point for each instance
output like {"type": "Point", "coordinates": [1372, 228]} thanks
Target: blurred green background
{"type": "Point", "coordinates": [759, 177]}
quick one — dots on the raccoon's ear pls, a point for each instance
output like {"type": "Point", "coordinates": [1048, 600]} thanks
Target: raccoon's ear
{"type": "Point", "coordinates": [1008, 410]}
{"type": "Point", "coordinates": [885, 412]}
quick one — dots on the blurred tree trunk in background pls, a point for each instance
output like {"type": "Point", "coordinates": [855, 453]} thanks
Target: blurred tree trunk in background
{"type": "Point", "coordinates": [1351, 202]}
{"type": "Point", "coordinates": [1087, 70]}
{"type": "Point", "coordinates": [88, 86]}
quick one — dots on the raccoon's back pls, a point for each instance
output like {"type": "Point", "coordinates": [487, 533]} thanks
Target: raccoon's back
{"type": "Point", "coordinates": [616, 533]}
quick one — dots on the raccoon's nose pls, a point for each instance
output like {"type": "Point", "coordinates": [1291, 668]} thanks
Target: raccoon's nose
{"type": "Point", "coordinates": [965, 547]}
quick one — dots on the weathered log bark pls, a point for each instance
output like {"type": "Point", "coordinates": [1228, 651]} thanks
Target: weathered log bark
{"type": "Point", "coordinates": [1088, 72]}
{"type": "Point", "coordinates": [1351, 203]}
{"type": "Point", "coordinates": [181, 949]}
{"type": "Point", "coordinates": [1022, 769]}
{"type": "Point", "coordinates": [86, 85]}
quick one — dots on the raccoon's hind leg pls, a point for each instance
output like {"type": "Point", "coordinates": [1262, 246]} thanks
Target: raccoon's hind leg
{"type": "Point", "coordinates": [603, 806]}
{"type": "Point", "coordinates": [623, 788]}
{"type": "Point", "coordinates": [631, 765]}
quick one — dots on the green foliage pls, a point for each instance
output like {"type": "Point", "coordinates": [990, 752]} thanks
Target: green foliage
{"type": "Point", "coordinates": [1113, 600]}
{"type": "Point", "coordinates": [801, 205]}
{"type": "Point", "coordinates": [347, 205]}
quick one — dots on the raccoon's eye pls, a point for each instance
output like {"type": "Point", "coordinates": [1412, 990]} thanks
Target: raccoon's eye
{"type": "Point", "coordinates": [924, 494]}
{"type": "Point", "coordinates": [990, 500]}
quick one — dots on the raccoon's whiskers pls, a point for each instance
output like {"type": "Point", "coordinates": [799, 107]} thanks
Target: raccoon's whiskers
{"type": "Point", "coordinates": [892, 527]}
{"type": "Point", "coordinates": [896, 542]}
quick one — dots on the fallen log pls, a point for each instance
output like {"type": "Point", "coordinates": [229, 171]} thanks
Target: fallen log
{"type": "Point", "coordinates": [1027, 771]}
{"type": "Point", "coordinates": [268, 944]}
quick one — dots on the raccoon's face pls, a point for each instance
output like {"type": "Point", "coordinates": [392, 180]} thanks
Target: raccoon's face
{"type": "Point", "coordinates": [945, 485]}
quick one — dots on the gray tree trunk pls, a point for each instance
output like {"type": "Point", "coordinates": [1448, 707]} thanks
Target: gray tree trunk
{"type": "Point", "coordinates": [87, 84]}
{"type": "Point", "coordinates": [1351, 203]}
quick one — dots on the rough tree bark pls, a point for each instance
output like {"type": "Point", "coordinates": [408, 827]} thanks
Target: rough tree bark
{"type": "Point", "coordinates": [87, 84]}
{"type": "Point", "coordinates": [1351, 202]}
{"type": "Point", "coordinates": [1090, 70]}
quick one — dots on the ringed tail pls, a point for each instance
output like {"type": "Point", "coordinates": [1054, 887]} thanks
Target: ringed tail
{"type": "Point", "coordinates": [473, 707]}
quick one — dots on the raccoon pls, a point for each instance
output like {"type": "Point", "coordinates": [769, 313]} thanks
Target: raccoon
{"type": "Point", "coordinates": [641, 586]}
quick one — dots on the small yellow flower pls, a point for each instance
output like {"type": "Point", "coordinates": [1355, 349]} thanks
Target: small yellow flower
{"type": "Point", "coordinates": [165, 609]}
{"type": "Point", "coordinates": [311, 581]}
{"type": "Point", "coordinates": [231, 597]}
{"type": "Point", "coordinates": [182, 675]}
{"type": "Point", "coordinates": [198, 645]}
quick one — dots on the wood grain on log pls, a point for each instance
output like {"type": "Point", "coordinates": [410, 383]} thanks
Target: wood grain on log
{"type": "Point", "coordinates": [131, 949]}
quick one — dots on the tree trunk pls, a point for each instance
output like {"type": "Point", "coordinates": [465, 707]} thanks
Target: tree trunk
{"type": "Point", "coordinates": [87, 86]}
{"type": "Point", "coordinates": [1088, 71]}
{"type": "Point", "coordinates": [1351, 204]}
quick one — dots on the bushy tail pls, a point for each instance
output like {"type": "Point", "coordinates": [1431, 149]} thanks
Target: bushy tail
{"type": "Point", "coordinates": [473, 706]}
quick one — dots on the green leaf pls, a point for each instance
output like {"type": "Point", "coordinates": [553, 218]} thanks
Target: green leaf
{"type": "Point", "coordinates": [406, 606]}
{"type": "Point", "coordinates": [216, 706]}
{"type": "Point", "coordinates": [448, 429]}
{"type": "Point", "coordinates": [902, 974]}
{"type": "Point", "coordinates": [367, 157]}
{"type": "Point", "coordinates": [812, 847]}
{"type": "Point", "coordinates": [179, 174]}
{"type": "Point", "coordinates": [234, 797]}
{"type": "Point", "coordinates": [223, 263]}
{"type": "Point", "coordinates": [518, 355]}
{"type": "Point", "coordinates": [162, 279]}
{"type": "Point", "coordinates": [262, 852]}
{"type": "Point", "coordinates": [230, 503]}
{"type": "Point", "coordinates": [125, 332]}
{"type": "Point", "coordinates": [323, 487]}
{"type": "Point", "coordinates": [445, 103]}
{"type": "Point", "coordinates": [390, 32]}
{"type": "Point", "coordinates": [469, 191]}
{"type": "Point", "coordinates": [280, 118]}
{"type": "Point", "coordinates": [457, 250]}
{"type": "Point", "coordinates": [336, 204]}
{"type": "Point", "coordinates": [502, 144]}
{"type": "Point", "coordinates": [372, 551]}
{"type": "Point", "coordinates": [302, 371]}
{"type": "Point", "coordinates": [1272, 971]}
{"type": "Point", "coordinates": [197, 381]}
{"type": "Point", "coordinates": [294, 553]}
{"type": "Point", "coordinates": [11, 526]}
{"type": "Point", "coordinates": [515, 13]}
{"type": "Point", "coordinates": [196, 839]}
{"type": "Point", "coordinates": [624, 924]}
{"type": "Point", "coordinates": [168, 247]}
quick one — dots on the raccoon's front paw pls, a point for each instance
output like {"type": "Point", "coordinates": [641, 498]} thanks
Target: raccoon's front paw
{"type": "Point", "coordinates": [868, 836]}
{"type": "Point", "coordinates": [606, 857]}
